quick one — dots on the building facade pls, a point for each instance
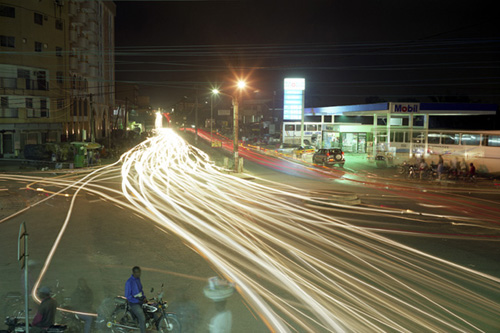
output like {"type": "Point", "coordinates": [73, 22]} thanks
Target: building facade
{"type": "Point", "coordinates": [56, 71]}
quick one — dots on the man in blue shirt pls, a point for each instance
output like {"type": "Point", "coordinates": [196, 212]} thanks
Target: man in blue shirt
{"type": "Point", "coordinates": [135, 296]}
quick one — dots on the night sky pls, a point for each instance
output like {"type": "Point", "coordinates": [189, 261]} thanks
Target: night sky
{"type": "Point", "coordinates": [349, 51]}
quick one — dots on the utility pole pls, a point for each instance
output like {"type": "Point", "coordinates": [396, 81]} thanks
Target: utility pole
{"type": "Point", "coordinates": [92, 127]}
{"type": "Point", "coordinates": [126, 116]}
{"type": "Point", "coordinates": [235, 134]}
{"type": "Point", "coordinates": [211, 117]}
{"type": "Point", "coordinates": [196, 117]}
{"type": "Point", "coordinates": [302, 122]}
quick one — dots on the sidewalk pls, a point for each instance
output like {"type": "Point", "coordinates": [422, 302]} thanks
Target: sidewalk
{"type": "Point", "coordinates": [358, 164]}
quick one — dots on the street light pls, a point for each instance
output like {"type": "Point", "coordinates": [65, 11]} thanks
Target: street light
{"type": "Point", "coordinates": [241, 85]}
{"type": "Point", "coordinates": [235, 99]}
{"type": "Point", "coordinates": [214, 92]}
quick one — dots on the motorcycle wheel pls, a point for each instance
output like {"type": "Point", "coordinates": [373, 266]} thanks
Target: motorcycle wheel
{"type": "Point", "coordinates": [170, 323]}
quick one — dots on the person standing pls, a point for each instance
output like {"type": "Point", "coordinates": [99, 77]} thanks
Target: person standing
{"type": "Point", "coordinates": [223, 319]}
{"type": "Point", "coordinates": [81, 300]}
{"type": "Point", "coordinates": [440, 167]}
{"type": "Point", "coordinates": [472, 170]}
{"type": "Point", "coordinates": [135, 296]}
{"type": "Point", "coordinates": [46, 314]}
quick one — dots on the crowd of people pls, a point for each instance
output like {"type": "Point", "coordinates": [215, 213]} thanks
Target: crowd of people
{"type": "Point", "coordinates": [455, 169]}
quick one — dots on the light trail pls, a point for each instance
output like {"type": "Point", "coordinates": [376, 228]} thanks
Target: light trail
{"type": "Point", "coordinates": [300, 269]}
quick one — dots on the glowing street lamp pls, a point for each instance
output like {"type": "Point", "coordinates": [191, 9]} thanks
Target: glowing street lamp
{"type": "Point", "coordinates": [241, 84]}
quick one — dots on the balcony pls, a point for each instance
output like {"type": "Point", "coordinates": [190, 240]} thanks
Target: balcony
{"type": "Point", "coordinates": [8, 82]}
{"type": "Point", "coordinates": [93, 71]}
{"type": "Point", "coordinates": [72, 8]}
{"type": "Point", "coordinates": [89, 6]}
{"type": "Point", "coordinates": [73, 63]}
{"type": "Point", "coordinates": [81, 18]}
{"type": "Point", "coordinates": [73, 35]}
{"type": "Point", "coordinates": [82, 67]}
{"type": "Point", "coordinates": [82, 43]}
{"type": "Point", "coordinates": [24, 84]}
{"type": "Point", "coordinates": [6, 112]}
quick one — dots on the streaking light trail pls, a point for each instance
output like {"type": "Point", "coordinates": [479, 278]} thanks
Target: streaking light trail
{"type": "Point", "coordinates": [300, 269]}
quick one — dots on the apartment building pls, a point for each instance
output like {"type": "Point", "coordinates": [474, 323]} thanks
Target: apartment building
{"type": "Point", "coordinates": [56, 71]}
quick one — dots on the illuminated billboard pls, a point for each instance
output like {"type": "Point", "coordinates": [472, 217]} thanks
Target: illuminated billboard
{"type": "Point", "coordinates": [293, 100]}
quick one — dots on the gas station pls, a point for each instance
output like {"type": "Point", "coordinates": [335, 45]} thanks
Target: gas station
{"type": "Point", "coordinates": [369, 128]}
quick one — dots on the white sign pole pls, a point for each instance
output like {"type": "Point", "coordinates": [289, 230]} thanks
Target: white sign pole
{"type": "Point", "coordinates": [302, 122]}
{"type": "Point", "coordinates": [22, 256]}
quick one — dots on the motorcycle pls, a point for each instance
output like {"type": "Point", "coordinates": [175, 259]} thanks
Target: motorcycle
{"type": "Point", "coordinates": [123, 320]}
{"type": "Point", "coordinates": [14, 324]}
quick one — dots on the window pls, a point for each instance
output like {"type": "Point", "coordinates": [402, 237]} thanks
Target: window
{"type": "Point", "coordinates": [29, 103]}
{"type": "Point", "coordinates": [38, 18]}
{"type": "Point", "coordinates": [4, 101]}
{"type": "Point", "coordinates": [493, 140]}
{"type": "Point", "coordinates": [310, 128]}
{"type": "Point", "coordinates": [382, 137]}
{"type": "Point", "coordinates": [59, 77]}
{"type": "Point", "coordinates": [23, 73]}
{"type": "Point", "coordinates": [450, 139]}
{"type": "Point", "coordinates": [38, 47]}
{"type": "Point", "coordinates": [58, 51]}
{"type": "Point", "coordinates": [418, 137]}
{"type": "Point", "coordinates": [60, 104]}
{"type": "Point", "coordinates": [289, 127]}
{"type": "Point", "coordinates": [7, 11]}
{"type": "Point", "coordinates": [398, 136]}
{"type": "Point", "coordinates": [59, 24]}
{"type": "Point", "coordinates": [7, 41]}
{"type": "Point", "coordinates": [470, 139]}
{"type": "Point", "coordinates": [73, 108]}
{"type": "Point", "coordinates": [44, 112]}
{"type": "Point", "coordinates": [433, 138]}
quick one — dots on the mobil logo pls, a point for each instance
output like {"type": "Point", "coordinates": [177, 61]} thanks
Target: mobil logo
{"type": "Point", "coordinates": [406, 108]}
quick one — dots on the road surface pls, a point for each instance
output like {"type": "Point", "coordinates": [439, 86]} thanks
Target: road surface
{"type": "Point", "coordinates": [304, 254]}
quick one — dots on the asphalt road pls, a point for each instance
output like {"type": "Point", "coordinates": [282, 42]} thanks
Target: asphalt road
{"type": "Point", "coordinates": [103, 240]}
{"type": "Point", "coordinates": [328, 232]}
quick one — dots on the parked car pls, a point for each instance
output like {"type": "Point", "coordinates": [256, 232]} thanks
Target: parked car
{"type": "Point", "coordinates": [329, 157]}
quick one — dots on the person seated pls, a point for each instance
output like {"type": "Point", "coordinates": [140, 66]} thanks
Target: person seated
{"type": "Point", "coordinates": [46, 314]}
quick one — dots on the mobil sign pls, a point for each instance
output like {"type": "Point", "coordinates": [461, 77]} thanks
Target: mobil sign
{"type": "Point", "coordinates": [405, 107]}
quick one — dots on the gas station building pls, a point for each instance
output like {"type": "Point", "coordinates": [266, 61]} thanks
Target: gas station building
{"type": "Point", "coordinates": [365, 128]}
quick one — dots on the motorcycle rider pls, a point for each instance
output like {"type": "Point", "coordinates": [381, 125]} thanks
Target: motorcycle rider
{"type": "Point", "coordinates": [135, 296]}
{"type": "Point", "coordinates": [46, 314]}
